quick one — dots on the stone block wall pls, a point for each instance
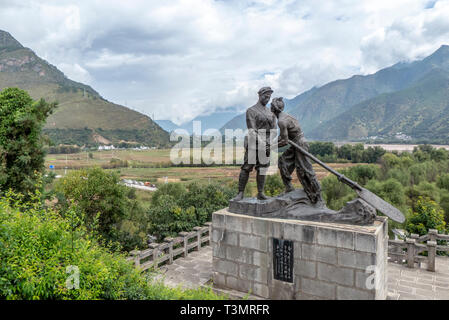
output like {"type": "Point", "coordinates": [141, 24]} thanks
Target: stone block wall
{"type": "Point", "coordinates": [331, 261]}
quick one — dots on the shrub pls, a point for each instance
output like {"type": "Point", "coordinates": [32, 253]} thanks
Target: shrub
{"type": "Point", "coordinates": [426, 215]}
{"type": "Point", "coordinates": [37, 246]}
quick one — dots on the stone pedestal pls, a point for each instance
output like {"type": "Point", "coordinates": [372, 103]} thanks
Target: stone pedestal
{"type": "Point", "coordinates": [326, 260]}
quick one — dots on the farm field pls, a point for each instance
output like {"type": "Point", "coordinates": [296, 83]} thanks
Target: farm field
{"type": "Point", "coordinates": [154, 166]}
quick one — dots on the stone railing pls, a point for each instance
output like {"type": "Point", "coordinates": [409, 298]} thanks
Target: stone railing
{"type": "Point", "coordinates": [172, 248]}
{"type": "Point", "coordinates": [408, 250]}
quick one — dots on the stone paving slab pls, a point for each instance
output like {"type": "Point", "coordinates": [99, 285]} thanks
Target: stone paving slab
{"type": "Point", "coordinates": [420, 284]}
{"type": "Point", "coordinates": [403, 283]}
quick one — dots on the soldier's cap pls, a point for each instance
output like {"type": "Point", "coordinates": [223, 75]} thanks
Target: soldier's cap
{"type": "Point", "coordinates": [264, 89]}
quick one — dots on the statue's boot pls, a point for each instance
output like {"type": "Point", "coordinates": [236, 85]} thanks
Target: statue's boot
{"type": "Point", "coordinates": [243, 180]}
{"type": "Point", "coordinates": [260, 179]}
{"type": "Point", "coordinates": [318, 201]}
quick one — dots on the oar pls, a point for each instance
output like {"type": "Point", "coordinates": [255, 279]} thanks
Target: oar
{"type": "Point", "coordinates": [363, 193]}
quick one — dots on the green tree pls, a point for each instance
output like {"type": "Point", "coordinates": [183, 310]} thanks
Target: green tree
{"type": "Point", "coordinates": [106, 207]}
{"type": "Point", "coordinates": [344, 152]}
{"type": "Point", "coordinates": [362, 173]}
{"type": "Point", "coordinates": [357, 153]}
{"type": "Point", "coordinates": [336, 193]}
{"type": "Point", "coordinates": [444, 203]}
{"type": "Point", "coordinates": [168, 218]}
{"type": "Point", "coordinates": [372, 155]}
{"type": "Point", "coordinates": [176, 190]}
{"type": "Point", "coordinates": [389, 161]}
{"type": "Point", "coordinates": [318, 148]}
{"type": "Point", "coordinates": [390, 190]}
{"type": "Point", "coordinates": [206, 199]}
{"type": "Point", "coordinates": [443, 181]}
{"type": "Point", "coordinates": [439, 155]}
{"type": "Point", "coordinates": [426, 215]}
{"type": "Point", "coordinates": [21, 143]}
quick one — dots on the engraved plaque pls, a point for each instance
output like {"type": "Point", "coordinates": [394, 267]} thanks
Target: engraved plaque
{"type": "Point", "coordinates": [283, 260]}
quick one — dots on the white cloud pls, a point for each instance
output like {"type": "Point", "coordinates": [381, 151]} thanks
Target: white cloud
{"type": "Point", "coordinates": [180, 58]}
{"type": "Point", "coordinates": [406, 38]}
{"type": "Point", "coordinates": [76, 72]}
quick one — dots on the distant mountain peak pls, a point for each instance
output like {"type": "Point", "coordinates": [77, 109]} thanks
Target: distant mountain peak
{"type": "Point", "coordinates": [443, 50]}
{"type": "Point", "coordinates": [439, 56]}
{"type": "Point", "coordinates": [82, 114]}
{"type": "Point", "coordinates": [8, 42]}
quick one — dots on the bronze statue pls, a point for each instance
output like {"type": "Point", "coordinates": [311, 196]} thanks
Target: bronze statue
{"type": "Point", "coordinates": [260, 121]}
{"type": "Point", "coordinates": [292, 158]}
{"type": "Point", "coordinates": [298, 204]}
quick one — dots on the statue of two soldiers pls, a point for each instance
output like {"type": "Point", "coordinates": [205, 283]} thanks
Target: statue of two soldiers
{"type": "Point", "coordinates": [261, 123]}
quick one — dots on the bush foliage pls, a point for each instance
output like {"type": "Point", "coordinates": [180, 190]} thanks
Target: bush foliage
{"type": "Point", "coordinates": [105, 206]}
{"type": "Point", "coordinates": [417, 183]}
{"type": "Point", "coordinates": [37, 247]}
{"type": "Point", "coordinates": [176, 208]}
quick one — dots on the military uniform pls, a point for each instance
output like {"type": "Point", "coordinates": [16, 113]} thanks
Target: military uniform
{"type": "Point", "coordinates": [260, 121]}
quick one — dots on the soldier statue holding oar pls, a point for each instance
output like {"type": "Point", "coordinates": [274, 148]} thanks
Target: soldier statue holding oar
{"type": "Point", "coordinates": [304, 204]}
{"type": "Point", "coordinates": [297, 157]}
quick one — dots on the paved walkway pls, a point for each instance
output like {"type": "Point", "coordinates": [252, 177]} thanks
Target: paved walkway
{"type": "Point", "coordinates": [418, 283]}
{"type": "Point", "coordinates": [403, 283]}
{"type": "Point", "coordinates": [191, 272]}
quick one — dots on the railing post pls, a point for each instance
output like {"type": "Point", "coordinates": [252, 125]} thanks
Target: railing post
{"type": "Point", "coordinates": [170, 249]}
{"type": "Point", "coordinates": [186, 242]}
{"type": "Point", "coordinates": [155, 247]}
{"type": "Point", "coordinates": [415, 237]}
{"type": "Point", "coordinates": [209, 224]}
{"type": "Point", "coordinates": [433, 234]}
{"type": "Point", "coordinates": [431, 254]}
{"type": "Point", "coordinates": [410, 253]}
{"type": "Point", "coordinates": [198, 237]}
{"type": "Point", "coordinates": [398, 250]}
{"type": "Point", "coordinates": [136, 254]}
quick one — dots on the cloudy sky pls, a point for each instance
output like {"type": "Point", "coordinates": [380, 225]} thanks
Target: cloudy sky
{"type": "Point", "coordinates": [177, 59]}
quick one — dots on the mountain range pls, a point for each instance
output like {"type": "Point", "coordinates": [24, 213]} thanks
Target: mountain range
{"type": "Point", "coordinates": [407, 100]}
{"type": "Point", "coordinates": [83, 117]}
